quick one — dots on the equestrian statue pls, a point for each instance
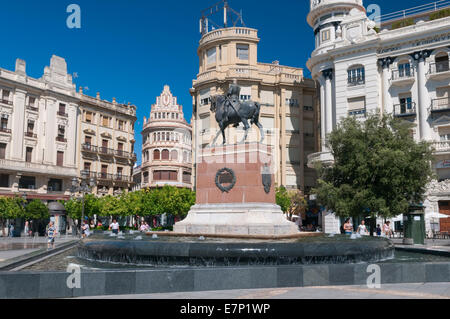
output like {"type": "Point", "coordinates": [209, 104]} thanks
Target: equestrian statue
{"type": "Point", "coordinates": [231, 111]}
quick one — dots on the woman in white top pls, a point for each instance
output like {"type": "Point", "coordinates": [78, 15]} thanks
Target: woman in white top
{"type": "Point", "coordinates": [115, 227]}
{"type": "Point", "coordinates": [362, 229]}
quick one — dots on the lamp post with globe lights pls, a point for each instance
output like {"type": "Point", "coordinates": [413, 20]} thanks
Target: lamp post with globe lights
{"type": "Point", "coordinates": [82, 185]}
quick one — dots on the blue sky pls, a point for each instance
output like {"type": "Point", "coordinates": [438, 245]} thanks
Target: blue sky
{"type": "Point", "coordinates": [131, 49]}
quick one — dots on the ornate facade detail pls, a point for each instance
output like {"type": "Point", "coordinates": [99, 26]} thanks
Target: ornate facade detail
{"type": "Point", "coordinates": [438, 188]}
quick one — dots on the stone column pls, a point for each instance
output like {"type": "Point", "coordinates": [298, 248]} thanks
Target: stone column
{"type": "Point", "coordinates": [423, 102]}
{"type": "Point", "coordinates": [322, 114]}
{"type": "Point", "coordinates": [386, 100]}
{"type": "Point", "coordinates": [328, 76]}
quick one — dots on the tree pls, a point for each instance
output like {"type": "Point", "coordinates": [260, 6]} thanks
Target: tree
{"type": "Point", "coordinates": [292, 202]}
{"type": "Point", "coordinates": [379, 169]}
{"type": "Point", "coordinates": [73, 208]}
{"type": "Point", "coordinates": [10, 208]}
{"type": "Point", "coordinates": [36, 210]}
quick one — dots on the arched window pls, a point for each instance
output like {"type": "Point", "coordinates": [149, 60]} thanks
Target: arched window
{"type": "Point", "coordinates": [174, 155]}
{"type": "Point", "coordinates": [156, 155]}
{"type": "Point", "coordinates": [356, 75]}
{"type": "Point", "coordinates": [165, 155]}
{"type": "Point", "coordinates": [404, 69]}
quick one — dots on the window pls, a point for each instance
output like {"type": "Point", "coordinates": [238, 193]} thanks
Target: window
{"type": "Point", "coordinates": [156, 155]}
{"type": "Point", "coordinates": [87, 166]}
{"type": "Point", "coordinates": [404, 70]}
{"type": "Point", "coordinates": [165, 175]}
{"type": "Point", "coordinates": [120, 146]}
{"type": "Point", "coordinates": [28, 154]}
{"type": "Point", "coordinates": [445, 137]}
{"type": "Point", "coordinates": [242, 51]}
{"type": "Point", "coordinates": [356, 75]}
{"type": "Point", "coordinates": [30, 126]}
{"type": "Point", "coordinates": [119, 171]}
{"type": "Point", "coordinates": [61, 133]}
{"type": "Point", "coordinates": [205, 101]}
{"type": "Point", "coordinates": [357, 106]}
{"type": "Point", "coordinates": [245, 97]}
{"type": "Point", "coordinates": [4, 180]}
{"type": "Point", "coordinates": [2, 150]}
{"type": "Point", "coordinates": [4, 123]}
{"type": "Point", "coordinates": [88, 117]}
{"type": "Point", "coordinates": [442, 63]}
{"type": "Point", "coordinates": [174, 155]}
{"type": "Point", "coordinates": [5, 97]}
{"type": "Point", "coordinates": [105, 121]}
{"type": "Point", "coordinates": [326, 35]}
{"type": "Point", "coordinates": [88, 140]}
{"type": "Point", "coordinates": [54, 185]}
{"type": "Point", "coordinates": [62, 109]}
{"type": "Point", "coordinates": [165, 155]}
{"type": "Point", "coordinates": [291, 102]}
{"type": "Point", "coordinates": [31, 101]}
{"type": "Point", "coordinates": [27, 182]}
{"type": "Point", "coordinates": [186, 177]}
{"type": "Point", "coordinates": [121, 125]}
{"type": "Point", "coordinates": [405, 105]}
{"type": "Point", "coordinates": [60, 158]}
{"type": "Point", "coordinates": [211, 55]}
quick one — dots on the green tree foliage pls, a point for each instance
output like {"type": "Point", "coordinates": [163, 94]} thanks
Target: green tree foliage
{"type": "Point", "coordinates": [379, 169]}
{"type": "Point", "coordinates": [73, 208]}
{"type": "Point", "coordinates": [36, 209]}
{"type": "Point", "coordinates": [292, 202]}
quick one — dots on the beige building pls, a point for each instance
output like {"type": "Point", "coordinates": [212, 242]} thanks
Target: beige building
{"type": "Point", "coordinates": [106, 144]}
{"type": "Point", "coordinates": [50, 133]}
{"type": "Point", "coordinates": [288, 101]}
{"type": "Point", "coordinates": [166, 145]}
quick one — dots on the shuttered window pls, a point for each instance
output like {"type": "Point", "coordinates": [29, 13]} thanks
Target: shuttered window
{"type": "Point", "coordinates": [60, 159]}
{"type": "Point", "coordinates": [2, 150]}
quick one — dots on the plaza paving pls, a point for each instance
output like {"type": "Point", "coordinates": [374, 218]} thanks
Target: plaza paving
{"type": "Point", "coordinates": [387, 291]}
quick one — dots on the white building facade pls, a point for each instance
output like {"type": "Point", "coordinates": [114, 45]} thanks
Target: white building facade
{"type": "Point", "coordinates": [400, 68]}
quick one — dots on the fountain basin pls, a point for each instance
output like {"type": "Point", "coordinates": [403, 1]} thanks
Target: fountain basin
{"type": "Point", "coordinates": [211, 252]}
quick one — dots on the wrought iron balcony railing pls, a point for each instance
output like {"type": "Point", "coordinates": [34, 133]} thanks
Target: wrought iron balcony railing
{"type": "Point", "coordinates": [439, 67]}
{"type": "Point", "coordinates": [440, 105]}
{"type": "Point", "coordinates": [405, 109]}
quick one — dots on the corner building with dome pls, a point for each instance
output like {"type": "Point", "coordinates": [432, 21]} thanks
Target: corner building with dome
{"type": "Point", "coordinates": [166, 145]}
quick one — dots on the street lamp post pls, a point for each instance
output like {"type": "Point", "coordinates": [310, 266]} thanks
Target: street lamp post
{"type": "Point", "coordinates": [81, 185]}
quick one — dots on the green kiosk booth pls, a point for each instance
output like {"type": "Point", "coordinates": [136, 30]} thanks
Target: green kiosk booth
{"type": "Point", "coordinates": [414, 226]}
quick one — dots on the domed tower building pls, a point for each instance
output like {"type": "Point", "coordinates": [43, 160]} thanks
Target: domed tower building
{"type": "Point", "coordinates": [396, 63]}
{"type": "Point", "coordinates": [167, 145]}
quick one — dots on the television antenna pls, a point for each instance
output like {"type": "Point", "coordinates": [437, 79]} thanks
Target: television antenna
{"type": "Point", "coordinates": [230, 16]}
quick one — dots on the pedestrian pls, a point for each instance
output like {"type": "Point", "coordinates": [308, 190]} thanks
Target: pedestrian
{"type": "Point", "coordinates": [26, 228]}
{"type": "Point", "coordinates": [51, 234]}
{"type": "Point", "coordinates": [348, 227]}
{"type": "Point", "coordinates": [11, 230]}
{"type": "Point", "coordinates": [114, 227]}
{"type": "Point", "coordinates": [378, 230]}
{"type": "Point", "coordinates": [362, 229]}
{"type": "Point", "coordinates": [387, 229]}
{"type": "Point", "coordinates": [85, 230]}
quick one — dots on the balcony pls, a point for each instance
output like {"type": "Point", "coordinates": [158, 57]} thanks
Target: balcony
{"type": "Point", "coordinates": [61, 139]}
{"type": "Point", "coordinates": [403, 77]}
{"type": "Point", "coordinates": [439, 70]}
{"type": "Point", "coordinates": [405, 110]}
{"type": "Point", "coordinates": [441, 147]}
{"type": "Point", "coordinates": [106, 151]}
{"type": "Point", "coordinates": [356, 82]}
{"type": "Point", "coordinates": [30, 134]}
{"type": "Point", "coordinates": [123, 154]}
{"type": "Point", "coordinates": [122, 178]}
{"type": "Point", "coordinates": [5, 130]}
{"type": "Point", "coordinates": [87, 174]}
{"type": "Point", "coordinates": [7, 102]}
{"type": "Point", "coordinates": [440, 105]}
{"type": "Point", "coordinates": [62, 114]}
{"type": "Point", "coordinates": [37, 168]}
{"type": "Point", "coordinates": [89, 148]}
{"type": "Point", "coordinates": [32, 108]}
{"type": "Point", "coordinates": [105, 176]}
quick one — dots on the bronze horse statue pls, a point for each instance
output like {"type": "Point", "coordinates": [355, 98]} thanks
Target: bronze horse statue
{"type": "Point", "coordinates": [228, 114]}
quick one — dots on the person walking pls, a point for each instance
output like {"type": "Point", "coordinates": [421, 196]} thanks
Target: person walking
{"type": "Point", "coordinates": [114, 227]}
{"type": "Point", "coordinates": [348, 227]}
{"type": "Point", "coordinates": [362, 229]}
{"type": "Point", "coordinates": [51, 234]}
{"type": "Point", "coordinates": [378, 230]}
{"type": "Point", "coordinates": [387, 229]}
{"type": "Point", "coordinates": [11, 230]}
{"type": "Point", "coordinates": [26, 228]}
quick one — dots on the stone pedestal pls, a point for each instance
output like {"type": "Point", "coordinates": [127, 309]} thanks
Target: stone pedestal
{"type": "Point", "coordinates": [244, 206]}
